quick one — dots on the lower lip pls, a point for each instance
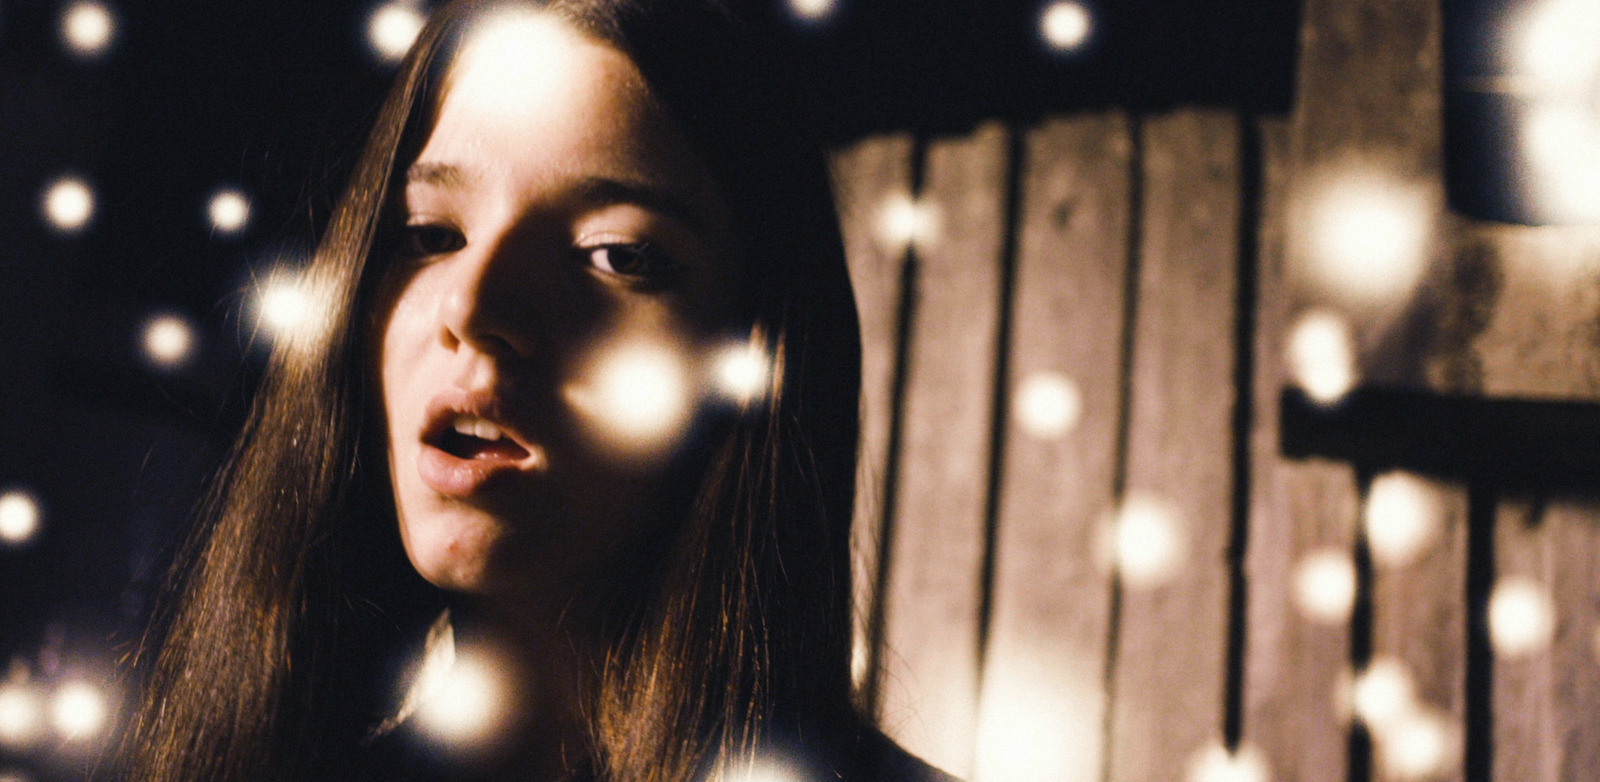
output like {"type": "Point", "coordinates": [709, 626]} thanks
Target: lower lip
{"type": "Point", "coordinates": [453, 476]}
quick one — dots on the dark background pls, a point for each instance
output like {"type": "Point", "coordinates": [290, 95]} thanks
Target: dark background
{"type": "Point", "coordinates": [271, 97]}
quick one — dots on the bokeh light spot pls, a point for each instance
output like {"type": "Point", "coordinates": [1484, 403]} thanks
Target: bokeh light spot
{"type": "Point", "coordinates": [1146, 541]}
{"type": "Point", "coordinates": [229, 211]}
{"type": "Point", "coordinates": [811, 10]}
{"type": "Point", "coordinates": [1048, 405]}
{"type": "Point", "coordinates": [1322, 356]}
{"type": "Point", "coordinates": [1383, 694]}
{"type": "Point", "coordinates": [1555, 44]}
{"type": "Point", "coordinates": [392, 28]}
{"type": "Point", "coordinates": [68, 204]}
{"type": "Point", "coordinates": [282, 304]}
{"type": "Point", "coordinates": [19, 517]}
{"type": "Point", "coordinates": [169, 341]}
{"type": "Point", "coordinates": [741, 372]}
{"type": "Point", "coordinates": [1369, 234]}
{"type": "Point", "coordinates": [78, 710]}
{"type": "Point", "coordinates": [1216, 764]}
{"type": "Point", "coordinates": [463, 706]}
{"type": "Point", "coordinates": [1325, 586]}
{"type": "Point", "coordinates": [1065, 25]}
{"type": "Point", "coordinates": [1522, 618]}
{"type": "Point", "coordinates": [905, 222]}
{"type": "Point", "coordinates": [1420, 745]}
{"type": "Point", "coordinates": [1401, 517]}
{"type": "Point", "coordinates": [21, 715]}
{"type": "Point", "coordinates": [636, 396]}
{"type": "Point", "coordinates": [87, 28]}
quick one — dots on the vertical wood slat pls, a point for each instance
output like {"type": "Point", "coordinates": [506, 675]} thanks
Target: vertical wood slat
{"type": "Point", "coordinates": [867, 176]}
{"type": "Point", "coordinates": [1367, 105]}
{"type": "Point", "coordinates": [1293, 662]}
{"type": "Point", "coordinates": [1545, 700]}
{"type": "Point", "coordinates": [1419, 618]}
{"type": "Point", "coordinates": [1169, 684]}
{"type": "Point", "coordinates": [932, 609]}
{"type": "Point", "coordinates": [1043, 698]}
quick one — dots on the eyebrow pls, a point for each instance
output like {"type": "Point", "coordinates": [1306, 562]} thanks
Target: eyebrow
{"type": "Point", "coordinates": [589, 191]}
{"type": "Point", "coordinates": [599, 191]}
{"type": "Point", "coordinates": [437, 174]}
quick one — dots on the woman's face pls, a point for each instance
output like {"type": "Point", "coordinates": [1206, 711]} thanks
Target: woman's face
{"type": "Point", "coordinates": [564, 274]}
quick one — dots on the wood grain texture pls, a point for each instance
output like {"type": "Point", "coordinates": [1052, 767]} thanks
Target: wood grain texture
{"type": "Point", "coordinates": [932, 609]}
{"type": "Point", "coordinates": [1518, 312]}
{"type": "Point", "coordinates": [1171, 656]}
{"type": "Point", "coordinates": [866, 176]}
{"type": "Point", "coordinates": [1293, 662]}
{"type": "Point", "coordinates": [1419, 619]}
{"type": "Point", "coordinates": [1043, 694]}
{"type": "Point", "coordinates": [1545, 701]}
{"type": "Point", "coordinates": [1367, 111]}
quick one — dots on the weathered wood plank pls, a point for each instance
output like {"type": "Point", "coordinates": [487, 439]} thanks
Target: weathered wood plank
{"type": "Point", "coordinates": [1043, 695]}
{"type": "Point", "coordinates": [1419, 618]}
{"type": "Point", "coordinates": [1169, 682]}
{"type": "Point", "coordinates": [868, 177]}
{"type": "Point", "coordinates": [1517, 312]}
{"type": "Point", "coordinates": [1294, 659]}
{"type": "Point", "coordinates": [1366, 123]}
{"type": "Point", "coordinates": [931, 611]}
{"type": "Point", "coordinates": [1546, 698]}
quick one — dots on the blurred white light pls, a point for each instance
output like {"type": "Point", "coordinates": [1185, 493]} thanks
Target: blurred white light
{"type": "Point", "coordinates": [78, 710]}
{"type": "Point", "coordinates": [761, 771]}
{"type": "Point", "coordinates": [1369, 233]}
{"type": "Point", "coordinates": [906, 222]}
{"type": "Point", "coordinates": [88, 28]}
{"type": "Point", "coordinates": [742, 372]}
{"type": "Point", "coordinates": [1522, 619]}
{"type": "Point", "coordinates": [1420, 745]}
{"type": "Point", "coordinates": [168, 341]}
{"type": "Point", "coordinates": [283, 305]}
{"type": "Point", "coordinates": [1065, 25]}
{"type": "Point", "coordinates": [1560, 140]}
{"type": "Point", "coordinates": [1555, 44]}
{"type": "Point", "coordinates": [68, 204]}
{"type": "Point", "coordinates": [811, 10]}
{"type": "Point", "coordinates": [392, 28]}
{"type": "Point", "coordinates": [19, 517]}
{"type": "Point", "coordinates": [229, 211]}
{"type": "Point", "coordinates": [1401, 517]}
{"type": "Point", "coordinates": [637, 397]}
{"type": "Point", "coordinates": [14, 775]}
{"type": "Point", "coordinates": [1145, 541]}
{"type": "Point", "coordinates": [1325, 586]}
{"type": "Point", "coordinates": [1383, 694]}
{"type": "Point", "coordinates": [464, 704]}
{"type": "Point", "coordinates": [1322, 356]}
{"type": "Point", "coordinates": [1216, 764]}
{"type": "Point", "coordinates": [21, 715]}
{"type": "Point", "coordinates": [1036, 721]}
{"type": "Point", "coordinates": [1048, 405]}
{"type": "Point", "coordinates": [859, 660]}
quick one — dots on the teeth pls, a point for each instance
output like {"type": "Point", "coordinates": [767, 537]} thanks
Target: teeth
{"type": "Point", "coordinates": [473, 426]}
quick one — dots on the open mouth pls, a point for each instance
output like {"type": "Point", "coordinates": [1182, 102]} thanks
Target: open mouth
{"type": "Point", "coordinates": [471, 437]}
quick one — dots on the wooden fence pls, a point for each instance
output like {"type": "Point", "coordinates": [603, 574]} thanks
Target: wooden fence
{"type": "Point", "coordinates": [1083, 553]}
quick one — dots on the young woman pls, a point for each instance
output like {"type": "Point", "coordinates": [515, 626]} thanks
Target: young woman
{"type": "Point", "coordinates": [589, 368]}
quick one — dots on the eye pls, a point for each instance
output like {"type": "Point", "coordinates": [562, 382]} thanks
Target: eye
{"type": "Point", "coordinates": [430, 239]}
{"type": "Point", "coordinates": [641, 261]}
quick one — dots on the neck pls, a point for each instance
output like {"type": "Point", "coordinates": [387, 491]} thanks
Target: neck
{"type": "Point", "coordinates": [539, 662]}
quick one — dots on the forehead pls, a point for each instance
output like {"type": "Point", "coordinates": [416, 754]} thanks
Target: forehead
{"type": "Point", "coordinates": [527, 95]}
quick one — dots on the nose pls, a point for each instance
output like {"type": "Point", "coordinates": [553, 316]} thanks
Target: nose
{"type": "Point", "coordinates": [491, 305]}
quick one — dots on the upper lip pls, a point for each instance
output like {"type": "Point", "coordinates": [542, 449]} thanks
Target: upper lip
{"type": "Point", "coordinates": [452, 403]}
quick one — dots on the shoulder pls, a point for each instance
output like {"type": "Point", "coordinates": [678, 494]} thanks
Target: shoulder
{"type": "Point", "coordinates": [885, 761]}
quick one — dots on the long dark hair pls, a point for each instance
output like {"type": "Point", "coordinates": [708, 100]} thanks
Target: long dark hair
{"type": "Point", "coordinates": [742, 643]}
